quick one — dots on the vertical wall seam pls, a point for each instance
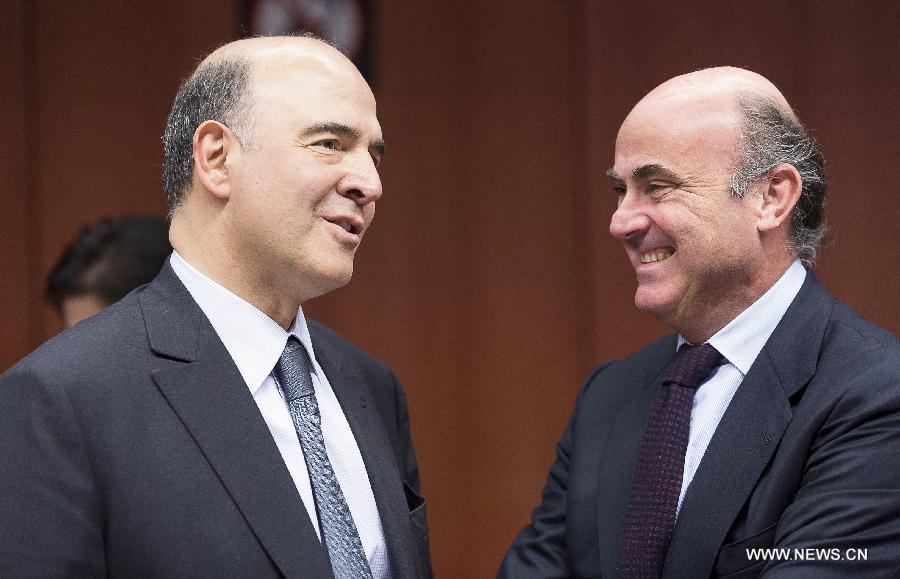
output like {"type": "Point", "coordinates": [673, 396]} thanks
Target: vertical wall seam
{"type": "Point", "coordinates": [32, 172]}
{"type": "Point", "coordinates": [582, 188]}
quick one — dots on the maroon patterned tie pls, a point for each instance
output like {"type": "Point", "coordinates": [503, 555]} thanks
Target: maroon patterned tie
{"type": "Point", "coordinates": [650, 518]}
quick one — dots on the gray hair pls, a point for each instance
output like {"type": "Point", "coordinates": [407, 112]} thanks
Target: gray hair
{"type": "Point", "coordinates": [219, 91]}
{"type": "Point", "coordinates": [771, 135]}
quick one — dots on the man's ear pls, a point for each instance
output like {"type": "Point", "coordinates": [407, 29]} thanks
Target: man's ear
{"type": "Point", "coordinates": [779, 193]}
{"type": "Point", "coordinates": [213, 143]}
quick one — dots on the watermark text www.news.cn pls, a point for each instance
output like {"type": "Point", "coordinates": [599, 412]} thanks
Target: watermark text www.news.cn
{"type": "Point", "coordinates": [808, 554]}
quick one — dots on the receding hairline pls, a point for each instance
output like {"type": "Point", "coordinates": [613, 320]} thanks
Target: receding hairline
{"type": "Point", "coordinates": [256, 51]}
{"type": "Point", "coordinates": [722, 91]}
{"type": "Point", "coordinates": [723, 79]}
{"type": "Point", "coordinates": [732, 85]}
{"type": "Point", "coordinates": [265, 59]}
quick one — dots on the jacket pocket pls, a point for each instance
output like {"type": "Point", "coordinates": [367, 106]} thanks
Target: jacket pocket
{"type": "Point", "coordinates": [734, 560]}
{"type": "Point", "coordinates": [419, 523]}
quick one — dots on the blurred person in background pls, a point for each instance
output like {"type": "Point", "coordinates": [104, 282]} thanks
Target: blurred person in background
{"type": "Point", "coordinates": [105, 262]}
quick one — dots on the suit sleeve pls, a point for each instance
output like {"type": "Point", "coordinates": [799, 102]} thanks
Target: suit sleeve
{"type": "Point", "coordinates": [845, 518]}
{"type": "Point", "coordinates": [540, 548]}
{"type": "Point", "coordinates": [49, 509]}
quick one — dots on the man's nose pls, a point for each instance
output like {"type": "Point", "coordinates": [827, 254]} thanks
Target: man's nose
{"type": "Point", "coordinates": [362, 182]}
{"type": "Point", "coordinates": [629, 218]}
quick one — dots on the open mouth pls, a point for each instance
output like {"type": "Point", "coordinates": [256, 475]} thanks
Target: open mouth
{"type": "Point", "coordinates": [346, 224]}
{"type": "Point", "coordinates": [656, 255]}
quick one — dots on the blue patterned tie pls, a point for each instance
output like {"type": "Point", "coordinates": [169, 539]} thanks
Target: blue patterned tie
{"type": "Point", "coordinates": [348, 559]}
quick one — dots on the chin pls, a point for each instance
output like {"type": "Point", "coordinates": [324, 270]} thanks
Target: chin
{"type": "Point", "coordinates": [323, 277]}
{"type": "Point", "coordinates": [657, 304]}
{"type": "Point", "coordinates": [337, 276]}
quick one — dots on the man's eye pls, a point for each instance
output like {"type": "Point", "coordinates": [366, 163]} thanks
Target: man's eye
{"type": "Point", "coordinates": [658, 189]}
{"type": "Point", "coordinates": [330, 144]}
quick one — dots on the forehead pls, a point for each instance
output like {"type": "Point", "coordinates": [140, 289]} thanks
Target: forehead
{"type": "Point", "coordinates": [299, 88]}
{"type": "Point", "coordinates": [690, 133]}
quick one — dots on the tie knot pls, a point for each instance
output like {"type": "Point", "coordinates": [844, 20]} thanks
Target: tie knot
{"type": "Point", "coordinates": [293, 370]}
{"type": "Point", "coordinates": [691, 365]}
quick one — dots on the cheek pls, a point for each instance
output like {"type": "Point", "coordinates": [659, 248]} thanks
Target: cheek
{"type": "Point", "coordinates": [738, 230]}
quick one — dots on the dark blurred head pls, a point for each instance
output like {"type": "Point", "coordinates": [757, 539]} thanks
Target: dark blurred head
{"type": "Point", "coordinates": [105, 262]}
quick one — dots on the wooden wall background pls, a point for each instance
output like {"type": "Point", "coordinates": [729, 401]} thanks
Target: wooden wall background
{"type": "Point", "coordinates": [489, 281]}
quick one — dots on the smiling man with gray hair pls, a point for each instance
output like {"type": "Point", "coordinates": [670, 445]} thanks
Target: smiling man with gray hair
{"type": "Point", "coordinates": [763, 437]}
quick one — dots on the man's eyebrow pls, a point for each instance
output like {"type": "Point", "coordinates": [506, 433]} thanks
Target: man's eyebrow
{"type": "Point", "coordinates": [342, 130]}
{"type": "Point", "coordinates": [655, 170]}
{"type": "Point", "coordinates": [645, 171]}
{"type": "Point", "coordinates": [331, 127]}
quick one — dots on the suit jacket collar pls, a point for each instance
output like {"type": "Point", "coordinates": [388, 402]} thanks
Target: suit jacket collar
{"type": "Point", "coordinates": [749, 433]}
{"type": "Point", "coordinates": [174, 321]}
{"type": "Point", "coordinates": [254, 340]}
{"type": "Point", "coordinates": [212, 400]}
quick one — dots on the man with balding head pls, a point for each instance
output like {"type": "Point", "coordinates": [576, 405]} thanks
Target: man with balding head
{"type": "Point", "coordinates": [202, 426]}
{"type": "Point", "coordinates": [770, 419]}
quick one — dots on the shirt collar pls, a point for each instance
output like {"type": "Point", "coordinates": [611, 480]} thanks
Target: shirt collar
{"type": "Point", "coordinates": [253, 340]}
{"type": "Point", "coordinates": [743, 338]}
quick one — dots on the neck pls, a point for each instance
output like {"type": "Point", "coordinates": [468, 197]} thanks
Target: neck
{"type": "Point", "coordinates": [202, 244]}
{"type": "Point", "coordinates": [699, 326]}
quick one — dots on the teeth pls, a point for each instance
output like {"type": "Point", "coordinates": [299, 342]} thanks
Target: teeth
{"type": "Point", "coordinates": [653, 257]}
{"type": "Point", "coordinates": [342, 223]}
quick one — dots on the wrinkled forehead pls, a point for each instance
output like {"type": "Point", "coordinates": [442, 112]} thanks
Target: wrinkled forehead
{"type": "Point", "coordinates": [679, 112]}
{"type": "Point", "coordinates": [690, 138]}
{"type": "Point", "coordinates": [691, 123]}
{"type": "Point", "coordinates": [312, 88]}
{"type": "Point", "coordinates": [680, 122]}
{"type": "Point", "coordinates": [293, 91]}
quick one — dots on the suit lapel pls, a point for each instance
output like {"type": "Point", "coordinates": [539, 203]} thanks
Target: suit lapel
{"type": "Point", "coordinates": [748, 434]}
{"type": "Point", "coordinates": [620, 456]}
{"type": "Point", "coordinates": [742, 445]}
{"type": "Point", "coordinates": [375, 448]}
{"type": "Point", "coordinates": [212, 400]}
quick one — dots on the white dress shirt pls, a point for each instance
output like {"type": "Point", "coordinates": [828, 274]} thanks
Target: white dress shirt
{"type": "Point", "coordinates": [255, 343]}
{"type": "Point", "coordinates": [740, 342]}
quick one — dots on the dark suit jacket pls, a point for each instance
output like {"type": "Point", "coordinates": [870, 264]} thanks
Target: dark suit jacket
{"type": "Point", "coordinates": [806, 455]}
{"type": "Point", "coordinates": [131, 446]}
